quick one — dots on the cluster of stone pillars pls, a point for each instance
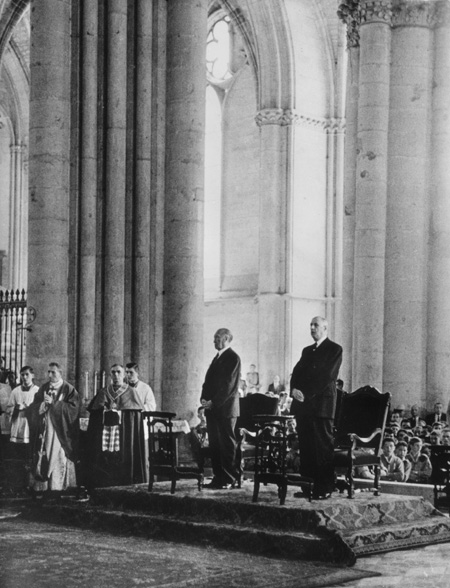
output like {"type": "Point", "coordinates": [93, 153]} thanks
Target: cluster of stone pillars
{"type": "Point", "coordinates": [106, 102]}
{"type": "Point", "coordinates": [397, 251]}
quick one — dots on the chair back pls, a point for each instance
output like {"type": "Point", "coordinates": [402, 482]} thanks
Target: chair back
{"type": "Point", "coordinates": [362, 412]}
{"type": "Point", "coordinates": [161, 440]}
{"type": "Point", "coordinates": [440, 463]}
{"type": "Point", "coordinates": [255, 404]}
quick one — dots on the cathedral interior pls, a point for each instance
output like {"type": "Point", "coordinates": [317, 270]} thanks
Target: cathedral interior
{"type": "Point", "coordinates": [170, 167]}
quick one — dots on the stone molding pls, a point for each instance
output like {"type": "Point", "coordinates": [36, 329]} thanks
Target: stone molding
{"type": "Point", "coordinates": [271, 116]}
{"type": "Point", "coordinates": [413, 14]}
{"type": "Point", "coordinates": [376, 11]}
{"type": "Point", "coordinates": [288, 117]}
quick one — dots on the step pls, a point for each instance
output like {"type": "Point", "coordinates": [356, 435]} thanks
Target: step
{"type": "Point", "coordinates": [326, 546]}
{"type": "Point", "coordinates": [236, 507]}
{"type": "Point", "coordinates": [383, 538]}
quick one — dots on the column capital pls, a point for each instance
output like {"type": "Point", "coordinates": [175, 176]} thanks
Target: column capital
{"type": "Point", "coordinates": [350, 15]}
{"type": "Point", "coordinates": [442, 13]}
{"type": "Point", "coordinates": [16, 148]}
{"type": "Point", "coordinates": [376, 11]}
{"type": "Point", "coordinates": [275, 116]}
{"type": "Point", "coordinates": [416, 13]}
{"type": "Point", "coordinates": [336, 125]}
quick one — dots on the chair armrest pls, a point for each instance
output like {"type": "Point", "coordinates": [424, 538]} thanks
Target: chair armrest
{"type": "Point", "coordinates": [244, 433]}
{"type": "Point", "coordinates": [355, 438]}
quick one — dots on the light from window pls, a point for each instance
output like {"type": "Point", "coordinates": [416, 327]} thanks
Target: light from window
{"type": "Point", "coordinates": [218, 50]}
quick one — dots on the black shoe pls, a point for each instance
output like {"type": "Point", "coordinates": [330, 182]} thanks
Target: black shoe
{"type": "Point", "coordinates": [325, 496]}
{"type": "Point", "coordinates": [212, 485]}
{"type": "Point", "coordinates": [302, 494]}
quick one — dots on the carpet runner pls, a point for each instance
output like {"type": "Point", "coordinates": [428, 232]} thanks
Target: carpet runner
{"type": "Point", "coordinates": [334, 530]}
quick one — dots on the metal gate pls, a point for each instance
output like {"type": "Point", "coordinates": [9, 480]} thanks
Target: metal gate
{"type": "Point", "coordinates": [13, 328]}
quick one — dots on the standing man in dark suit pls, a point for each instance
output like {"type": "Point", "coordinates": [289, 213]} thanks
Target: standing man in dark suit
{"type": "Point", "coordinates": [313, 389]}
{"type": "Point", "coordinates": [220, 397]}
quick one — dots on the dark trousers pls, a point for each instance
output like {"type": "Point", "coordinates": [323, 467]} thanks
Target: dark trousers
{"type": "Point", "coordinates": [315, 437]}
{"type": "Point", "coordinates": [222, 446]}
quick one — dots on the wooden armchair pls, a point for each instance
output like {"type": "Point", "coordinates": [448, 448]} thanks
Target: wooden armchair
{"type": "Point", "coordinates": [163, 451]}
{"type": "Point", "coordinates": [359, 434]}
{"type": "Point", "coordinates": [440, 475]}
{"type": "Point", "coordinates": [246, 429]}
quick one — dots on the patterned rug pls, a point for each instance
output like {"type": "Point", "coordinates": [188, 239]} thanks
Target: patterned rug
{"type": "Point", "coordinates": [43, 555]}
{"type": "Point", "coordinates": [335, 530]}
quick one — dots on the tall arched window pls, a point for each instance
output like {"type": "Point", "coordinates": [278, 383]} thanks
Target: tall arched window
{"type": "Point", "coordinates": [229, 81]}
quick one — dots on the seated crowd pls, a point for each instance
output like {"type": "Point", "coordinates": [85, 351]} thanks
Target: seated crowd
{"type": "Point", "coordinates": [406, 445]}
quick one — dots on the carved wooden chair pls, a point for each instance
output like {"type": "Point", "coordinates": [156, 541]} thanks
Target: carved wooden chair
{"type": "Point", "coordinates": [359, 434]}
{"type": "Point", "coordinates": [163, 451]}
{"type": "Point", "coordinates": [246, 428]}
{"type": "Point", "coordinates": [271, 457]}
{"type": "Point", "coordinates": [440, 475]}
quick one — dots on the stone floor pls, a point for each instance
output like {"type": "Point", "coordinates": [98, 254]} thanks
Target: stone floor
{"type": "Point", "coordinates": [426, 567]}
{"type": "Point", "coordinates": [41, 555]}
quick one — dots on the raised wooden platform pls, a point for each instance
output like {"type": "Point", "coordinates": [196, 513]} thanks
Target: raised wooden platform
{"type": "Point", "coordinates": [338, 529]}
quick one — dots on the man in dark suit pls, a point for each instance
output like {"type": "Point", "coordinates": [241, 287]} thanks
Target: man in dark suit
{"type": "Point", "coordinates": [414, 420]}
{"type": "Point", "coordinates": [220, 397]}
{"type": "Point", "coordinates": [437, 416]}
{"type": "Point", "coordinates": [313, 389]}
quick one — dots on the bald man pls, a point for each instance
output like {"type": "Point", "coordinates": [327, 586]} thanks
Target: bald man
{"type": "Point", "coordinates": [220, 398]}
{"type": "Point", "coordinates": [313, 391]}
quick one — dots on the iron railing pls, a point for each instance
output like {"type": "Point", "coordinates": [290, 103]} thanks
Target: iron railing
{"type": "Point", "coordinates": [13, 328]}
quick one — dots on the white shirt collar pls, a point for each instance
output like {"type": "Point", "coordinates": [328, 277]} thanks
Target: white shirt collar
{"type": "Point", "coordinates": [219, 353]}
{"type": "Point", "coordinates": [320, 341]}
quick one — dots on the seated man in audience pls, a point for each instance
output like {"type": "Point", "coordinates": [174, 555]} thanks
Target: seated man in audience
{"type": "Point", "coordinates": [435, 437]}
{"type": "Point", "coordinates": [391, 466]}
{"type": "Point", "coordinates": [445, 437]}
{"type": "Point", "coordinates": [276, 387]}
{"type": "Point", "coordinates": [414, 420]}
{"type": "Point", "coordinates": [116, 434]}
{"type": "Point", "coordinates": [438, 415]}
{"type": "Point", "coordinates": [284, 404]}
{"type": "Point", "coordinates": [395, 428]}
{"type": "Point", "coordinates": [404, 435]}
{"type": "Point", "coordinates": [420, 431]}
{"type": "Point", "coordinates": [438, 426]}
{"type": "Point", "coordinates": [395, 419]}
{"type": "Point", "coordinates": [401, 450]}
{"type": "Point", "coordinates": [420, 463]}
{"type": "Point", "coordinates": [199, 436]}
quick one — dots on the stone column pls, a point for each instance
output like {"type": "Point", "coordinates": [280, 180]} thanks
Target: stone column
{"type": "Point", "coordinates": [371, 190]}
{"type": "Point", "coordinates": [16, 236]}
{"type": "Point", "coordinates": [141, 225]}
{"type": "Point", "coordinates": [49, 181]}
{"type": "Point", "coordinates": [275, 134]}
{"type": "Point", "coordinates": [158, 136]}
{"type": "Point", "coordinates": [183, 256]}
{"type": "Point", "coordinates": [349, 13]}
{"type": "Point", "coordinates": [438, 366]}
{"type": "Point", "coordinates": [88, 192]}
{"type": "Point", "coordinates": [114, 258]}
{"type": "Point", "coordinates": [405, 331]}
